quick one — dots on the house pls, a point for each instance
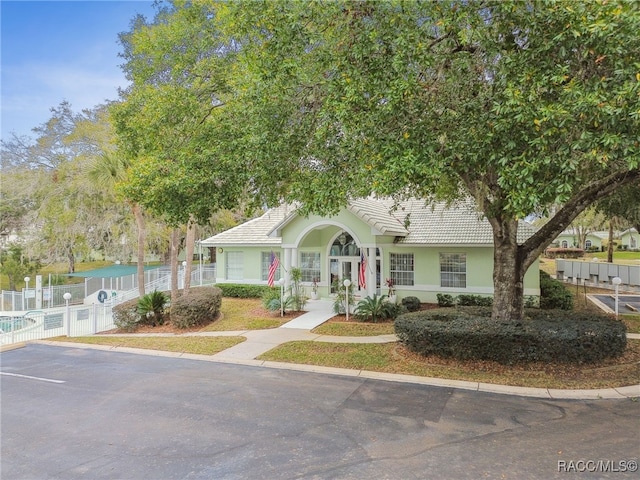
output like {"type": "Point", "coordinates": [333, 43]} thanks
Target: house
{"type": "Point", "coordinates": [424, 249]}
{"type": "Point", "coordinates": [630, 239]}
{"type": "Point", "coordinates": [571, 239]}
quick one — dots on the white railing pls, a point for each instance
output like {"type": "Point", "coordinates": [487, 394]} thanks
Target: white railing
{"type": "Point", "coordinates": [73, 321]}
{"type": "Point", "coordinates": [80, 320]}
{"type": "Point", "coordinates": [53, 296]}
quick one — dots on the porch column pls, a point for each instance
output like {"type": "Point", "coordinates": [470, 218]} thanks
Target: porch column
{"type": "Point", "coordinates": [287, 267]}
{"type": "Point", "coordinates": [371, 271]}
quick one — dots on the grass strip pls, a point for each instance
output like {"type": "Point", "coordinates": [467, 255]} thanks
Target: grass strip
{"type": "Point", "coordinates": [394, 358]}
{"type": "Point", "coordinates": [351, 329]}
{"type": "Point", "coordinates": [195, 345]}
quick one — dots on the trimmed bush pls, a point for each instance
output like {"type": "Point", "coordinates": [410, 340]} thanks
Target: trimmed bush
{"type": "Point", "coordinates": [241, 290]}
{"type": "Point", "coordinates": [553, 293]}
{"type": "Point", "coordinates": [412, 304]}
{"type": "Point", "coordinates": [445, 300]}
{"type": "Point", "coordinates": [545, 336]}
{"type": "Point", "coordinates": [197, 307]}
{"type": "Point", "coordinates": [126, 316]}
{"type": "Point", "coordinates": [474, 301]}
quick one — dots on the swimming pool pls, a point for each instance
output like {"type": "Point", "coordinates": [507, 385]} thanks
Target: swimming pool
{"type": "Point", "coordinates": [11, 324]}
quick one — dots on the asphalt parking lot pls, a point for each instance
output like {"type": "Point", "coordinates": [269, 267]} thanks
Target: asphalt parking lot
{"type": "Point", "coordinates": [70, 413]}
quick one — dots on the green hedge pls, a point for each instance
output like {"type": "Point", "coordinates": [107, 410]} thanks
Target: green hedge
{"type": "Point", "coordinates": [241, 290]}
{"type": "Point", "coordinates": [553, 293]}
{"type": "Point", "coordinates": [196, 307]}
{"type": "Point", "coordinates": [545, 336]}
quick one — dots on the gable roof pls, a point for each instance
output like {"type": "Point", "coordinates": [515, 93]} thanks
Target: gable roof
{"type": "Point", "coordinates": [412, 222]}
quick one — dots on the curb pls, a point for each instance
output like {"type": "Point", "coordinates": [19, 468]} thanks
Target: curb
{"type": "Point", "coordinates": [628, 392]}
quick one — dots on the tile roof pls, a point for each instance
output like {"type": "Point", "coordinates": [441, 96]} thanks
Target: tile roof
{"type": "Point", "coordinates": [412, 222]}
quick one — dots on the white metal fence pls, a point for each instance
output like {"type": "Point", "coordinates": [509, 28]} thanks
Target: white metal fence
{"type": "Point", "coordinates": [22, 325]}
{"type": "Point", "coordinates": [53, 296]}
{"type": "Point", "coordinates": [73, 321]}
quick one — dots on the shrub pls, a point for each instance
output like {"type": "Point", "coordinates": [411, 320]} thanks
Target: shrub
{"type": "Point", "coordinates": [126, 316]}
{"type": "Point", "coordinates": [151, 308]}
{"type": "Point", "coordinates": [445, 300]}
{"type": "Point", "coordinates": [412, 304]}
{"type": "Point", "coordinates": [375, 308]}
{"type": "Point", "coordinates": [553, 294]}
{"type": "Point", "coordinates": [474, 301]}
{"type": "Point", "coordinates": [241, 290]}
{"type": "Point", "coordinates": [271, 299]}
{"type": "Point", "coordinates": [545, 336]}
{"type": "Point", "coordinates": [339, 304]}
{"type": "Point", "coordinates": [196, 307]}
{"type": "Point", "coordinates": [296, 292]}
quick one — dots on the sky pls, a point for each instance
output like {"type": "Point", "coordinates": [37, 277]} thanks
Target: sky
{"type": "Point", "coordinates": [52, 51]}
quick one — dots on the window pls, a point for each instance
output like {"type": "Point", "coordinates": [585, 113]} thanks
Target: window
{"type": "Point", "coordinates": [266, 262]}
{"type": "Point", "coordinates": [564, 244]}
{"type": "Point", "coordinates": [401, 268]}
{"type": "Point", "coordinates": [453, 270]}
{"type": "Point", "coordinates": [587, 244]}
{"type": "Point", "coordinates": [310, 266]}
{"type": "Point", "coordinates": [235, 266]}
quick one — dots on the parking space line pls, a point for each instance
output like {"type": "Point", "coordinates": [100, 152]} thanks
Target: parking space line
{"type": "Point", "coordinates": [32, 378]}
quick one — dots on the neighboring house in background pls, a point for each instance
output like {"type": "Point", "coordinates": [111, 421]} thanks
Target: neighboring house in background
{"type": "Point", "coordinates": [630, 239]}
{"type": "Point", "coordinates": [425, 250]}
{"type": "Point", "coordinates": [570, 239]}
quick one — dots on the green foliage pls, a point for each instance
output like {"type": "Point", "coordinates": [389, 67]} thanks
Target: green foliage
{"type": "Point", "coordinates": [126, 316]}
{"type": "Point", "coordinates": [15, 265]}
{"type": "Point", "coordinates": [241, 290]}
{"type": "Point", "coordinates": [271, 298]}
{"type": "Point", "coordinates": [474, 301]}
{"type": "Point", "coordinates": [553, 293]}
{"type": "Point", "coordinates": [297, 297]}
{"type": "Point", "coordinates": [445, 300]}
{"type": "Point", "coordinates": [196, 307]}
{"type": "Point", "coordinates": [340, 301]}
{"type": "Point", "coordinates": [151, 307]}
{"type": "Point", "coordinates": [412, 304]}
{"type": "Point", "coordinates": [374, 309]}
{"type": "Point", "coordinates": [545, 336]}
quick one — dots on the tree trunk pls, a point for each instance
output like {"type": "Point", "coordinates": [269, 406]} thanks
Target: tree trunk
{"type": "Point", "coordinates": [175, 239]}
{"type": "Point", "coordinates": [142, 237]}
{"type": "Point", "coordinates": [72, 261]}
{"type": "Point", "coordinates": [508, 272]}
{"type": "Point", "coordinates": [610, 245]}
{"type": "Point", "coordinates": [189, 246]}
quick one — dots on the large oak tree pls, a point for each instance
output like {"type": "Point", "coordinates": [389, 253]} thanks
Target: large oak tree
{"type": "Point", "coordinates": [520, 105]}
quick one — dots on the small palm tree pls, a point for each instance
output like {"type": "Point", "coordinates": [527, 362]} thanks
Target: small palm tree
{"type": "Point", "coordinates": [374, 309]}
{"type": "Point", "coordinates": [151, 307]}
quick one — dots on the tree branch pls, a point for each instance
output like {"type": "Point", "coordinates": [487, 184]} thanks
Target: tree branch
{"type": "Point", "coordinates": [594, 191]}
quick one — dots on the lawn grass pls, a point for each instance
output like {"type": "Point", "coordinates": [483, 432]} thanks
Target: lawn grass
{"type": "Point", "coordinates": [354, 329]}
{"type": "Point", "coordinates": [395, 358]}
{"type": "Point", "coordinates": [244, 314]}
{"type": "Point", "coordinates": [190, 344]}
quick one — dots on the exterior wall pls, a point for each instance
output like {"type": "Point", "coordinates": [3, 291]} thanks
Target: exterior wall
{"type": "Point", "coordinates": [630, 239]}
{"type": "Point", "coordinates": [316, 234]}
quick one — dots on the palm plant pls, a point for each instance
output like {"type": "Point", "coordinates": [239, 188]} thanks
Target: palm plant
{"type": "Point", "coordinates": [375, 309]}
{"type": "Point", "coordinates": [151, 307]}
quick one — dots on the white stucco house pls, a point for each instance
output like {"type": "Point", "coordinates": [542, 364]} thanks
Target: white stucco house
{"type": "Point", "coordinates": [423, 249]}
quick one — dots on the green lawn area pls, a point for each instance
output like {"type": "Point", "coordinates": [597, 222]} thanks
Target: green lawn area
{"type": "Point", "coordinates": [195, 345]}
{"type": "Point", "coordinates": [245, 314]}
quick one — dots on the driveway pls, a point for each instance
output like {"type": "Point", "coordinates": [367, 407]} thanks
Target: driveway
{"type": "Point", "coordinates": [71, 413]}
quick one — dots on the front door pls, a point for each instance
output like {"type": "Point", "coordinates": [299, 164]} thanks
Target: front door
{"type": "Point", "coordinates": [345, 268]}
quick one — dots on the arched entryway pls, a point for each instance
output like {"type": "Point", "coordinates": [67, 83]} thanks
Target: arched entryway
{"type": "Point", "coordinates": [347, 260]}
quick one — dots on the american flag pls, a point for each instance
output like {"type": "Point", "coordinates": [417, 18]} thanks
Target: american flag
{"type": "Point", "coordinates": [273, 266]}
{"type": "Point", "coordinates": [362, 277]}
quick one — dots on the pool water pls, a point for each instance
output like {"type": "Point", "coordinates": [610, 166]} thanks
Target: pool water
{"type": "Point", "coordinates": [10, 324]}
